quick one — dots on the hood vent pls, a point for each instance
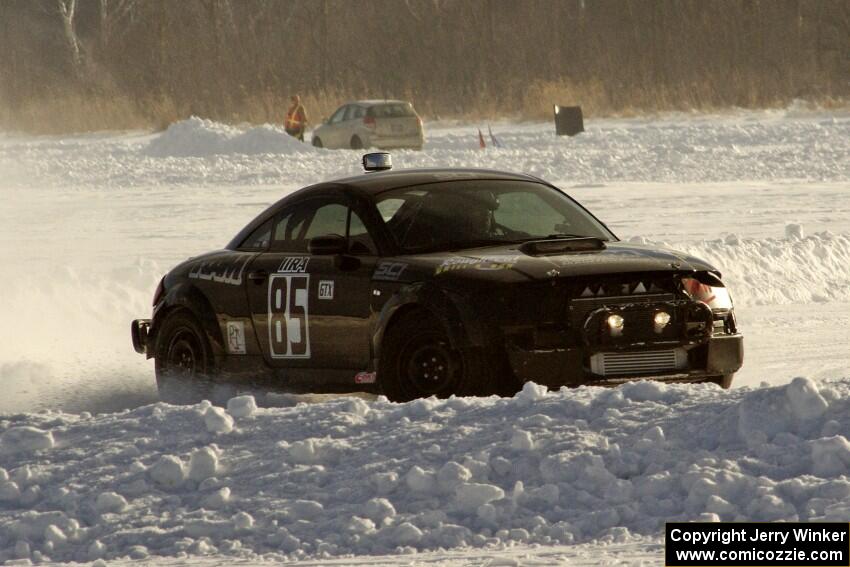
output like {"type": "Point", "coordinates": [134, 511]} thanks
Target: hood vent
{"type": "Point", "coordinates": [622, 289]}
{"type": "Point", "coordinates": [562, 246]}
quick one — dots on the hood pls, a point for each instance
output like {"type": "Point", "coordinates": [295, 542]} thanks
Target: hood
{"type": "Point", "coordinates": [509, 264]}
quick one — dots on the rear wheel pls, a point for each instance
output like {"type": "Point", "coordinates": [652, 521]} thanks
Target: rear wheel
{"type": "Point", "coordinates": [183, 360]}
{"type": "Point", "coordinates": [356, 143]}
{"type": "Point", "coordinates": [317, 142]}
{"type": "Point", "coordinates": [417, 360]}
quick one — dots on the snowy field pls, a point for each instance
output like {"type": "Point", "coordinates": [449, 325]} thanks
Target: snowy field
{"type": "Point", "coordinates": [88, 224]}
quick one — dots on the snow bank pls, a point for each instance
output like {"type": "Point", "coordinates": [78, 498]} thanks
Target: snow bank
{"type": "Point", "coordinates": [795, 269]}
{"type": "Point", "coordinates": [673, 149]}
{"type": "Point", "coordinates": [347, 477]}
{"type": "Point", "coordinates": [197, 137]}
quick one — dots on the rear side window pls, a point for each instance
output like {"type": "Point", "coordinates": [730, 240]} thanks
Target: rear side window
{"type": "Point", "coordinates": [393, 110]}
{"type": "Point", "coordinates": [260, 238]}
{"type": "Point", "coordinates": [288, 232]}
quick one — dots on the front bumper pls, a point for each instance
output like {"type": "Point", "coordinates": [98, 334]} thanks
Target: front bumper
{"type": "Point", "coordinates": [139, 333]}
{"type": "Point", "coordinates": [719, 356]}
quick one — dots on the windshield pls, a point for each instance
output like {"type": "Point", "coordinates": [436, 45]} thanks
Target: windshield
{"type": "Point", "coordinates": [464, 214]}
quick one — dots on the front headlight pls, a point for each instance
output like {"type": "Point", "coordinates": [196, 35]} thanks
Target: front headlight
{"type": "Point", "coordinates": [716, 297]}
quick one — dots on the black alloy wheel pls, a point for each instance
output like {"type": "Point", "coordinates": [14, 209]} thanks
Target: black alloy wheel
{"type": "Point", "coordinates": [430, 366]}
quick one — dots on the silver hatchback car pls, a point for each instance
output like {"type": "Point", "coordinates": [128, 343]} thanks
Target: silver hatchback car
{"type": "Point", "coordinates": [371, 123]}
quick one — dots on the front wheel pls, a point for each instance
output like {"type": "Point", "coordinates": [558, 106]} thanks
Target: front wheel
{"type": "Point", "coordinates": [356, 143]}
{"type": "Point", "coordinates": [417, 361]}
{"type": "Point", "coordinates": [317, 142]}
{"type": "Point", "coordinates": [183, 360]}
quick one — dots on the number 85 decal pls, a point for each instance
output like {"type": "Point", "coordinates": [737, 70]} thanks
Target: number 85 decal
{"type": "Point", "coordinates": [289, 331]}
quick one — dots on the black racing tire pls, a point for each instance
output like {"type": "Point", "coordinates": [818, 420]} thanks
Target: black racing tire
{"type": "Point", "coordinates": [317, 142]}
{"type": "Point", "coordinates": [183, 360]}
{"type": "Point", "coordinates": [724, 381]}
{"type": "Point", "coordinates": [418, 361]}
{"type": "Point", "coordinates": [356, 143]}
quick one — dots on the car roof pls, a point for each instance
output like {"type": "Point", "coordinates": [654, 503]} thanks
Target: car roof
{"type": "Point", "coordinates": [376, 102]}
{"type": "Point", "coordinates": [378, 182]}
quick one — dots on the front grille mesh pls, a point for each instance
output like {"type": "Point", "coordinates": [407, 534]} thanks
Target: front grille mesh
{"type": "Point", "coordinates": [638, 363]}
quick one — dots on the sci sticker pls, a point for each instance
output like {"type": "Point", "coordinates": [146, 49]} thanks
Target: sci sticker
{"type": "Point", "coordinates": [236, 337]}
{"type": "Point", "coordinates": [389, 271]}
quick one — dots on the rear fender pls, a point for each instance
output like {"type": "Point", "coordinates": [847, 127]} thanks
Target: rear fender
{"type": "Point", "coordinates": [186, 296]}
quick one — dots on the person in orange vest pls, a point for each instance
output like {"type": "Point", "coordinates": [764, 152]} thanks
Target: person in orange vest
{"type": "Point", "coordinates": [296, 119]}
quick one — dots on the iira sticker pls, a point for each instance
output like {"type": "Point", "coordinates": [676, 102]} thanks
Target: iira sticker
{"type": "Point", "coordinates": [365, 378]}
{"type": "Point", "coordinates": [294, 265]}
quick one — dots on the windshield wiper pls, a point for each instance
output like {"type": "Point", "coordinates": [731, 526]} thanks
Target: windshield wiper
{"type": "Point", "coordinates": [460, 244]}
{"type": "Point", "coordinates": [564, 235]}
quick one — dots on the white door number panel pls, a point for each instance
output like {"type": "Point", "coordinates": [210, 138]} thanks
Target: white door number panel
{"type": "Point", "coordinates": [289, 326]}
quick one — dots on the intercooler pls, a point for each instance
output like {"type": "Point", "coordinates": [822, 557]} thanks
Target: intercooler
{"type": "Point", "coordinates": [637, 363]}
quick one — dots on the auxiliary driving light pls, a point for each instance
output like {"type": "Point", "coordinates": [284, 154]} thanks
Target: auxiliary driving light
{"type": "Point", "coordinates": [662, 318]}
{"type": "Point", "coordinates": [616, 323]}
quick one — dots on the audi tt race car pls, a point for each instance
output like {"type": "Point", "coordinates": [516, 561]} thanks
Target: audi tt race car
{"type": "Point", "coordinates": [425, 282]}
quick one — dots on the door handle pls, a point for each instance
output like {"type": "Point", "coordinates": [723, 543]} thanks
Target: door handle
{"type": "Point", "coordinates": [258, 276]}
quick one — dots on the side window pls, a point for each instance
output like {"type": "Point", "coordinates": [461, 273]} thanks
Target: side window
{"type": "Point", "coordinates": [328, 219]}
{"type": "Point", "coordinates": [352, 111]}
{"type": "Point", "coordinates": [359, 241]}
{"type": "Point", "coordinates": [260, 238]}
{"type": "Point", "coordinates": [288, 230]}
{"type": "Point", "coordinates": [389, 207]}
{"type": "Point", "coordinates": [294, 228]}
{"type": "Point", "coordinates": [338, 115]}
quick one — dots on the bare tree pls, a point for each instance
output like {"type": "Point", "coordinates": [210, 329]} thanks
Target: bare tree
{"type": "Point", "coordinates": [67, 11]}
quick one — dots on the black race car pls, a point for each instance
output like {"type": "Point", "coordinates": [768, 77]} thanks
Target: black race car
{"type": "Point", "coordinates": [428, 282]}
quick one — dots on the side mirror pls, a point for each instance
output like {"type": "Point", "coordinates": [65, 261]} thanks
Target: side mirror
{"type": "Point", "coordinates": [328, 245]}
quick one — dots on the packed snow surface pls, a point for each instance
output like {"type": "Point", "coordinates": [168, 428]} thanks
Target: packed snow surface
{"type": "Point", "coordinates": [350, 477]}
{"type": "Point", "coordinates": [88, 225]}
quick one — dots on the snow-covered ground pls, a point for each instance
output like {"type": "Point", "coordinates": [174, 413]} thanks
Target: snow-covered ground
{"type": "Point", "coordinates": [88, 224]}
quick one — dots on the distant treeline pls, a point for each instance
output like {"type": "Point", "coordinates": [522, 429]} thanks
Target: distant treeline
{"type": "Point", "coordinates": [91, 64]}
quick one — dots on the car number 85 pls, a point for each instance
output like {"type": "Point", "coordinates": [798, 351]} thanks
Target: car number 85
{"type": "Point", "coordinates": [289, 331]}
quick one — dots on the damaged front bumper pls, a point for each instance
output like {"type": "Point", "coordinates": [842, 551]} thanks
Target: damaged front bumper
{"type": "Point", "coordinates": [555, 367]}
